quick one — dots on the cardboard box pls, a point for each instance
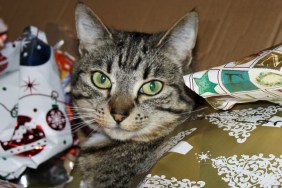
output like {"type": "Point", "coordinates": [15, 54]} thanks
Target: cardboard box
{"type": "Point", "coordinates": [228, 29]}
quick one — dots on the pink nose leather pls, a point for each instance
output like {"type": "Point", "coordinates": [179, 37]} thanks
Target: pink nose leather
{"type": "Point", "coordinates": [118, 117]}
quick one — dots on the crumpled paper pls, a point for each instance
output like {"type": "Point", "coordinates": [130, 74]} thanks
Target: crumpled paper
{"type": "Point", "coordinates": [256, 77]}
{"type": "Point", "coordinates": [7, 184]}
{"type": "Point", "coordinates": [3, 33]}
{"type": "Point", "coordinates": [34, 124]}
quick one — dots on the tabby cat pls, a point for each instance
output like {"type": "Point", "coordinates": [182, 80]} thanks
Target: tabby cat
{"type": "Point", "coordinates": [128, 88]}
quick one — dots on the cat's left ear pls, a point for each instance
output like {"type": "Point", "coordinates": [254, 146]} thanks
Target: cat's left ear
{"type": "Point", "coordinates": [181, 38]}
{"type": "Point", "coordinates": [90, 29]}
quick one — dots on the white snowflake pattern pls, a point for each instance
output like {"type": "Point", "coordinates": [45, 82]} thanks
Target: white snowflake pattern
{"type": "Point", "coordinates": [161, 182]}
{"type": "Point", "coordinates": [56, 119]}
{"type": "Point", "coordinates": [203, 156]}
{"type": "Point", "coordinates": [240, 123]}
{"type": "Point", "coordinates": [249, 171]}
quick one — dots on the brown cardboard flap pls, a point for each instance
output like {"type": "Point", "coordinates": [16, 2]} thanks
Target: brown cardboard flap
{"type": "Point", "coordinates": [228, 29]}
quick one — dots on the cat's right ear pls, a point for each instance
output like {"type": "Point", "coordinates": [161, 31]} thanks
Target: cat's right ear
{"type": "Point", "coordinates": [90, 29]}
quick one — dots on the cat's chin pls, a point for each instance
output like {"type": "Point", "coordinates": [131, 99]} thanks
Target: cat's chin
{"type": "Point", "coordinates": [125, 135]}
{"type": "Point", "coordinates": [118, 133]}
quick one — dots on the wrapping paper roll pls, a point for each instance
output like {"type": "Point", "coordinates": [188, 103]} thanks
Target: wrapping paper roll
{"type": "Point", "coordinates": [256, 77]}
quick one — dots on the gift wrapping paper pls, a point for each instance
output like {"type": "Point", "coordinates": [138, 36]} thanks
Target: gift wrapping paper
{"type": "Point", "coordinates": [240, 147]}
{"type": "Point", "coordinates": [34, 123]}
{"type": "Point", "coordinates": [256, 77]}
{"type": "Point", "coordinates": [3, 33]}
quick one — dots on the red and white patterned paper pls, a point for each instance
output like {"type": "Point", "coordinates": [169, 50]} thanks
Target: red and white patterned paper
{"type": "Point", "coordinates": [34, 124]}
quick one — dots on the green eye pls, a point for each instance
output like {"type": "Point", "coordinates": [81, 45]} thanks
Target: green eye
{"type": "Point", "coordinates": [151, 88]}
{"type": "Point", "coordinates": [101, 81]}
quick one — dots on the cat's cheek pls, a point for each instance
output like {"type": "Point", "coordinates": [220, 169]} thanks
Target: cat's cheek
{"type": "Point", "coordinates": [81, 103]}
{"type": "Point", "coordinates": [106, 121]}
{"type": "Point", "coordinates": [131, 124]}
{"type": "Point", "coordinates": [130, 127]}
{"type": "Point", "coordinates": [95, 127]}
{"type": "Point", "coordinates": [103, 123]}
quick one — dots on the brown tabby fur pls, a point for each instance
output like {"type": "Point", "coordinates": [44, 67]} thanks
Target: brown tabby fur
{"type": "Point", "coordinates": [129, 125]}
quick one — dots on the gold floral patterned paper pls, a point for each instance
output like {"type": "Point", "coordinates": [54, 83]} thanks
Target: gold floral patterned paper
{"type": "Point", "coordinates": [235, 148]}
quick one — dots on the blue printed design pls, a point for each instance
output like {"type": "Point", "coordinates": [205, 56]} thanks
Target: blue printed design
{"type": "Point", "coordinates": [235, 81]}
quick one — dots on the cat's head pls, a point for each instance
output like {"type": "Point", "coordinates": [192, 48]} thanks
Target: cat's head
{"type": "Point", "coordinates": [129, 85]}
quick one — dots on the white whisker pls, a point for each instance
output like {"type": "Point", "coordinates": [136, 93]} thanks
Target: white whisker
{"type": "Point", "coordinates": [78, 128]}
{"type": "Point", "coordinates": [81, 117]}
{"type": "Point", "coordinates": [78, 107]}
{"type": "Point", "coordinates": [79, 125]}
{"type": "Point", "coordinates": [91, 133]}
{"type": "Point", "coordinates": [84, 121]}
{"type": "Point", "coordinates": [196, 110]}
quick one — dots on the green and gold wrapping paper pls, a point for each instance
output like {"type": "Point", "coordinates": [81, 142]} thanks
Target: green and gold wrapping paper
{"type": "Point", "coordinates": [235, 148]}
{"type": "Point", "coordinates": [257, 77]}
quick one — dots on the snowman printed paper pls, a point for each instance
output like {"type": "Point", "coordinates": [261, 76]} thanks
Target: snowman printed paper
{"type": "Point", "coordinates": [34, 124]}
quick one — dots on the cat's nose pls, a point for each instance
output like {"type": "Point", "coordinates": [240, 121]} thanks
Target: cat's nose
{"type": "Point", "coordinates": [120, 107]}
{"type": "Point", "coordinates": [119, 116]}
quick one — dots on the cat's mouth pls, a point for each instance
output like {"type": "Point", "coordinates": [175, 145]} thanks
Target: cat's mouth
{"type": "Point", "coordinates": [106, 128]}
